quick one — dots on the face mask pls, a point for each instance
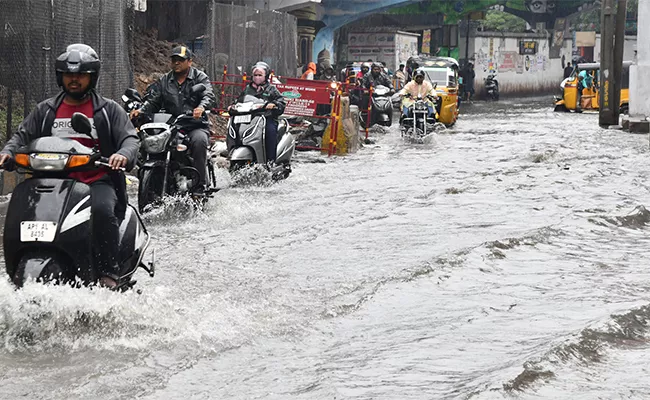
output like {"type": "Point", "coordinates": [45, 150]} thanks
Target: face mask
{"type": "Point", "coordinates": [258, 80]}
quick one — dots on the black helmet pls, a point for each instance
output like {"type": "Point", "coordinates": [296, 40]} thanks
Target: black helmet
{"type": "Point", "coordinates": [78, 58]}
{"type": "Point", "coordinates": [418, 72]}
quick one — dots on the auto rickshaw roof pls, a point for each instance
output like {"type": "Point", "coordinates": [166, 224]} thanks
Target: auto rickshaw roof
{"type": "Point", "coordinates": [595, 66]}
{"type": "Point", "coordinates": [432, 61]}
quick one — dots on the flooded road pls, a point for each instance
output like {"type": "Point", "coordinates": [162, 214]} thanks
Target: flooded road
{"type": "Point", "coordinates": [507, 259]}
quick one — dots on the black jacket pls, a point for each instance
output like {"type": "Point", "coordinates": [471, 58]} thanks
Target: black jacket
{"type": "Point", "coordinates": [177, 99]}
{"type": "Point", "coordinates": [381, 79]}
{"type": "Point", "coordinates": [269, 93]}
{"type": "Point", "coordinates": [114, 129]}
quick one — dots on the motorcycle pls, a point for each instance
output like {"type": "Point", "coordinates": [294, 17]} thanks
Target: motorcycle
{"type": "Point", "coordinates": [418, 124]}
{"type": "Point", "coordinates": [381, 109]}
{"type": "Point", "coordinates": [246, 138]}
{"type": "Point", "coordinates": [47, 233]}
{"type": "Point", "coordinates": [492, 87]}
{"type": "Point", "coordinates": [166, 168]}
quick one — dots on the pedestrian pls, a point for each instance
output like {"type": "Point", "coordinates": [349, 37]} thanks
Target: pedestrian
{"type": "Point", "coordinates": [310, 73]}
{"type": "Point", "coordinates": [567, 70]}
{"type": "Point", "coordinates": [400, 76]}
{"type": "Point", "coordinates": [468, 80]}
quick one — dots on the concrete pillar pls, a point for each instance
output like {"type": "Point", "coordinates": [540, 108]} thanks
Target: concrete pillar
{"type": "Point", "coordinates": [640, 73]}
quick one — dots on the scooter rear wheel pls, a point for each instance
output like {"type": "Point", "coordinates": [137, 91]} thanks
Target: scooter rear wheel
{"type": "Point", "coordinates": [41, 267]}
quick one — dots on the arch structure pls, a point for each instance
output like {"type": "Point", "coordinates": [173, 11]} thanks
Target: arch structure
{"type": "Point", "coordinates": [337, 13]}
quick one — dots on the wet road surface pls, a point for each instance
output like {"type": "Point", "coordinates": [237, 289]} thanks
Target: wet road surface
{"type": "Point", "coordinates": [506, 259]}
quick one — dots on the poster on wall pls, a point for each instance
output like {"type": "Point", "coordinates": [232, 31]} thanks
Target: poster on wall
{"type": "Point", "coordinates": [508, 61]}
{"type": "Point", "coordinates": [426, 41]}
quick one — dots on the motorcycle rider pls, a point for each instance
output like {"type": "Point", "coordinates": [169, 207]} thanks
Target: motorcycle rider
{"type": "Point", "coordinates": [261, 88]}
{"type": "Point", "coordinates": [174, 96]}
{"type": "Point", "coordinates": [418, 87]}
{"type": "Point", "coordinates": [365, 68]}
{"type": "Point", "coordinates": [77, 72]}
{"type": "Point", "coordinates": [377, 77]}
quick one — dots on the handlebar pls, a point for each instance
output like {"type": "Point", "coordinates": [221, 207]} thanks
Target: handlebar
{"type": "Point", "coordinates": [103, 162]}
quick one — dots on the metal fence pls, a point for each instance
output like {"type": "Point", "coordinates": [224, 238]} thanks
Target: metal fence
{"type": "Point", "coordinates": [239, 36]}
{"type": "Point", "coordinates": [35, 32]}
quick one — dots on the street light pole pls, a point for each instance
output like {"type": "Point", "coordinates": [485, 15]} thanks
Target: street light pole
{"type": "Point", "coordinates": [619, 45]}
{"type": "Point", "coordinates": [606, 115]}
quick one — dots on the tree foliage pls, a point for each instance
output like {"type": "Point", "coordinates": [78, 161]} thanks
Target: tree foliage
{"type": "Point", "coordinates": [590, 20]}
{"type": "Point", "coordinates": [503, 22]}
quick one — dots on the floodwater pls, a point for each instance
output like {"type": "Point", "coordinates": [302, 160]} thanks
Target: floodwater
{"type": "Point", "coordinates": [506, 259]}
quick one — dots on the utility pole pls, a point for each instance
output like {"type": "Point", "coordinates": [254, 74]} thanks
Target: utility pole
{"type": "Point", "coordinates": [619, 45]}
{"type": "Point", "coordinates": [606, 115]}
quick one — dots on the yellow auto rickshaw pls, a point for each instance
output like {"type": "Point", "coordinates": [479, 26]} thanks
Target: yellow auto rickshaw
{"type": "Point", "coordinates": [590, 98]}
{"type": "Point", "coordinates": [442, 72]}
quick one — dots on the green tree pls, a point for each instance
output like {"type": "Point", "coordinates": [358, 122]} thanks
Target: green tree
{"type": "Point", "coordinates": [503, 22]}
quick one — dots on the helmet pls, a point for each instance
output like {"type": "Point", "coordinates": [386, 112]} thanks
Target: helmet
{"type": "Point", "coordinates": [418, 72]}
{"type": "Point", "coordinates": [365, 65]}
{"type": "Point", "coordinates": [262, 65]}
{"type": "Point", "coordinates": [78, 58]}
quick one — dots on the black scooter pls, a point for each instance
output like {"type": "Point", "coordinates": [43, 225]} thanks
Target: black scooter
{"type": "Point", "coordinates": [381, 110]}
{"type": "Point", "coordinates": [47, 234]}
{"type": "Point", "coordinates": [492, 87]}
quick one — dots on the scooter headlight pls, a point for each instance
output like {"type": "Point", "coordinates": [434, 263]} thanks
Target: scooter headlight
{"type": "Point", "coordinates": [154, 144]}
{"type": "Point", "coordinates": [48, 161]}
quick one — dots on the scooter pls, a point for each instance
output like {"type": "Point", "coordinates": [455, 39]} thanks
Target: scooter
{"type": "Point", "coordinates": [381, 108]}
{"type": "Point", "coordinates": [166, 169]}
{"type": "Point", "coordinates": [418, 124]}
{"type": "Point", "coordinates": [47, 233]}
{"type": "Point", "coordinates": [246, 138]}
{"type": "Point", "coordinates": [492, 87]}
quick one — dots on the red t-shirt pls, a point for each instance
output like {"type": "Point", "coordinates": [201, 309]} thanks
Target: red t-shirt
{"type": "Point", "coordinates": [62, 128]}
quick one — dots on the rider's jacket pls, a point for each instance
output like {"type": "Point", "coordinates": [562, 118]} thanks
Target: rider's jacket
{"type": "Point", "coordinates": [267, 92]}
{"type": "Point", "coordinates": [176, 99]}
{"type": "Point", "coordinates": [115, 133]}
{"type": "Point", "coordinates": [381, 79]}
{"type": "Point", "coordinates": [415, 90]}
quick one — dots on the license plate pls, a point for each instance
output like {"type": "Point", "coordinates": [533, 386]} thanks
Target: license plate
{"type": "Point", "coordinates": [242, 119]}
{"type": "Point", "coordinates": [37, 231]}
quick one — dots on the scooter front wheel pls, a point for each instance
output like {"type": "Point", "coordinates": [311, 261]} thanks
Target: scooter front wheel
{"type": "Point", "coordinates": [150, 190]}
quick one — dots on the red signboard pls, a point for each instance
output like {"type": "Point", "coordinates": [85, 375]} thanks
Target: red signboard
{"type": "Point", "coordinates": [303, 95]}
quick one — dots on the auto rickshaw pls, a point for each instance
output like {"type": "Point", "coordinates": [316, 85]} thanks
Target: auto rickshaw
{"type": "Point", "coordinates": [591, 95]}
{"type": "Point", "coordinates": [443, 72]}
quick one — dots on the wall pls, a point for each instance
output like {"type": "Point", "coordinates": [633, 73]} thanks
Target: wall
{"type": "Point", "coordinates": [628, 49]}
{"type": "Point", "coordinates": [517, 74]}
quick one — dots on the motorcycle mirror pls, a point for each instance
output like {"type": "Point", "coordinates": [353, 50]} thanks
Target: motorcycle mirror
{"type": "Point", "coordinates": [435, 85]}
{"type": "Point", "coordinates": [133, 94]}
{"type": "Point", "coordinates": [198, 88]}
{"type": "Point", "coordinates": [81, 124]}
